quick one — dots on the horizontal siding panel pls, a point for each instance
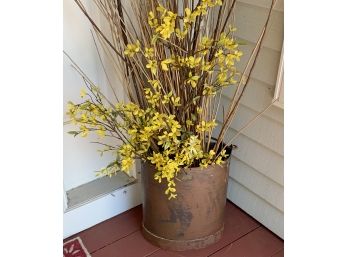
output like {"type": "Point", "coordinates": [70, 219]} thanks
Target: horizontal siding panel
{"type": "Point", "coordinates": [266, 65]}
{"type": "Point", "coordinates": [256, 182]}
{"type": "Point", "coordinates": [265, 4]}
{"type": "Point", "coordinates": [250, 20]}
{"type": "Point", "coordinates": [257, 96]}
{"type": "Point", "coordinates": [264, 130]}
{"type": "Point", "coordinates": [258, 208]}
{"type": "Point", "coordinates": [259, 157]}
{"type": "Point", "coordinates": [274, 112]}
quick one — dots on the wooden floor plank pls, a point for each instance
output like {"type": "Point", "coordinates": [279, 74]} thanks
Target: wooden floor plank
{"type": "Point", "coordinates": [260, 242]}
{"type": "Point", "coordinates": [121, 236]}
{"type": "Point", "coordinates": [279, 254]}
{"type": "Point", "coordinates": [163, 253]}
{"type": "Point", "coordinates": [133, 245]}
{"type": "Point", "coordinates": [111, 230]}
{"type": "Point", "coordinates": [237, 224]}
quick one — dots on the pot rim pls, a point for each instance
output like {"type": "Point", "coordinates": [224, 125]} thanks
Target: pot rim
{"type": "Point", "coordinates": [198, 169]}
{"type": "Point", "coordinates": [208, 168]}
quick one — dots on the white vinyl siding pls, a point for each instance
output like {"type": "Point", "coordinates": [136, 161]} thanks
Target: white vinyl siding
{"type": "Point", "coordinates": [256, 182]}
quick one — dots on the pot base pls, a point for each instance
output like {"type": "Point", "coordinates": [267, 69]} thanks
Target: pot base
{"type": "Point", "coordinates": [182, 245]}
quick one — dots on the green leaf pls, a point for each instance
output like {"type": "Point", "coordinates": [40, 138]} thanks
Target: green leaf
{"type": "Point", "coordinates": [74, 133]}
{"type": "Point", "coordinates": [195, 99]}
{"type": "Point", "coordinates": [111, 164]}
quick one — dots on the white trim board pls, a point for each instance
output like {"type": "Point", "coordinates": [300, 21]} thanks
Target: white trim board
{"type": "Point", "coordinates": [279, 87]}
{"type": "Point", "coordinates": [96, 188]}
{"type": "Point", "coordinates": [101, 209]}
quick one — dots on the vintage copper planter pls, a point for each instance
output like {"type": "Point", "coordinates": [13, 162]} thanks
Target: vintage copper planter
{"type": "Point", "coordinates": [195, 219]}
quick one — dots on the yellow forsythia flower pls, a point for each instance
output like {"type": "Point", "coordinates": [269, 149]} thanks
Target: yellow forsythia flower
{"type": "Point", "coordinates": [101, 133]}
{"type": "Point", "coordinates": [189, 16]}
{"type": "Point", "coordinates": [192, 80]}
{"type": "Point", "coordinates": [153, 22]}
{"type": "Point", "coordinates": [84, 131]}
{"type": "Point", "coordinates": [181, 34]}
{"type": "Point", "coordinates": [126, 164]}
{"type": "Point", "coordinates": [193, 62]}
{"type": "Point", "coordinates": [149, 52]}
{"type": "Point", "coordinates": [205, 126]}
{"type": "Point", "coordinates": [131, 49]}
{"type": "Point", "coordinates": [83, 92]}
{"type": "Point", "coordinates": [152, 65]}
{"type": "Point", "coordinates": [164, 64]}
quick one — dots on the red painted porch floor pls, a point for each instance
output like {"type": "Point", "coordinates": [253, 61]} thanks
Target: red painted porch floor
{"type": "Point", "coordinates": [121, 236]}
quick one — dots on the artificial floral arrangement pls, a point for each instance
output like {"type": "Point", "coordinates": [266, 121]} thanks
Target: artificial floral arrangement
{"type": "Point", "coordinates": [174, 58]}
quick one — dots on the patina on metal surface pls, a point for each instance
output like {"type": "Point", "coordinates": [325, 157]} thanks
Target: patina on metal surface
{"type": "Point", "coordinates": [195, 219]}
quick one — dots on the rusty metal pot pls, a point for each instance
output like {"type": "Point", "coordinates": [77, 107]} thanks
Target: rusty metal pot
{"type": "Point", "coordinates": [195, 219]}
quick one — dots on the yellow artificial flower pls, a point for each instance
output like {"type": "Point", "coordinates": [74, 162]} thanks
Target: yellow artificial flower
{"type": "Point", "coordinates": [172, 196]}
{"type": "Point", "coordinates": [202, 9]}
{"type": "Point", "coordinates": [132, 132]}
{"type": "Point", "coordinates": [219, 160]}
{"type": "Point", "coordinates": [158, 177]}
{"type": "Point", "coordinates": [175, 101]}
{"type": "Point", "coordinates": [181, 34]}
{"type": "Point", "coordinates": [189, 123]}
{"type": "Point", "coordinates": [211, 153]}
{"type": "Point", "coordinates": [164, 64]}
{"type": "Point", "coordinates": [164, 139]}
{"type": "Point", "coordinates": [132, 49]}
{"type": "Point", "coordinates": [232, 81]}
{"type": "Point", "coordinates": [168, 24]}
{"type": "Point", "coordinates": [207, 66]}
{"type": "Point", "coordinates": [189, 16]}
{"type": "Point", "coordinates": [153, 22]}
{"type": "Point", "coordinates": [155, 83]}
{"type": "Point", "coordinates": [229, 60]}
{"type": "Point", "coordinates": [238, 54]}
{"type": "Point", "coordinates": [170, 190]}
{"type": "Point", "coordinates": [84, 131]}
{"type": "Point", "coordinates": [71, 106]}
{"type": "Point", "coordinates": [166, 97]}
{"type": "Point", "coordinates": [222, 77]}
{"type": "Point", "coordinates": [126, 164]}
{"type": "Point", "coordinates": [193, 62]}
{"type": "Point", "coordinates": [203, 164]}
{"type": "Point", "coordinates": [101, 133]}
{"type": "Point", "coordinates": [205, 126]}
{"type": "Point", "coordinates": [83, 93]}
{"type": "Point", "coordinates": [161, 9]}
{"type": "Point", "coordinates": [223, 154]}
{"type": "Point", "coordinates": [84, 117]}
{"type": "Point", "coordinates": [210, 3]}
{"type": "Point", "coordinates": [206, 42]}
{"type": "Point", "coordinates": [208, 90]}
{"type": "Point", "coordinates": [149, 52]}
{"type": "Point", "coordinates": [219, 53]}
{"type": "Point", "coordinates": [152, 65]}
{"type": "Point", "coordinates": [192, 80]}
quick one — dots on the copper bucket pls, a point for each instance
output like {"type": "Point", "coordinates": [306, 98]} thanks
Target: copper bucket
{"type": "Point", "coordinates": [195, 219]}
